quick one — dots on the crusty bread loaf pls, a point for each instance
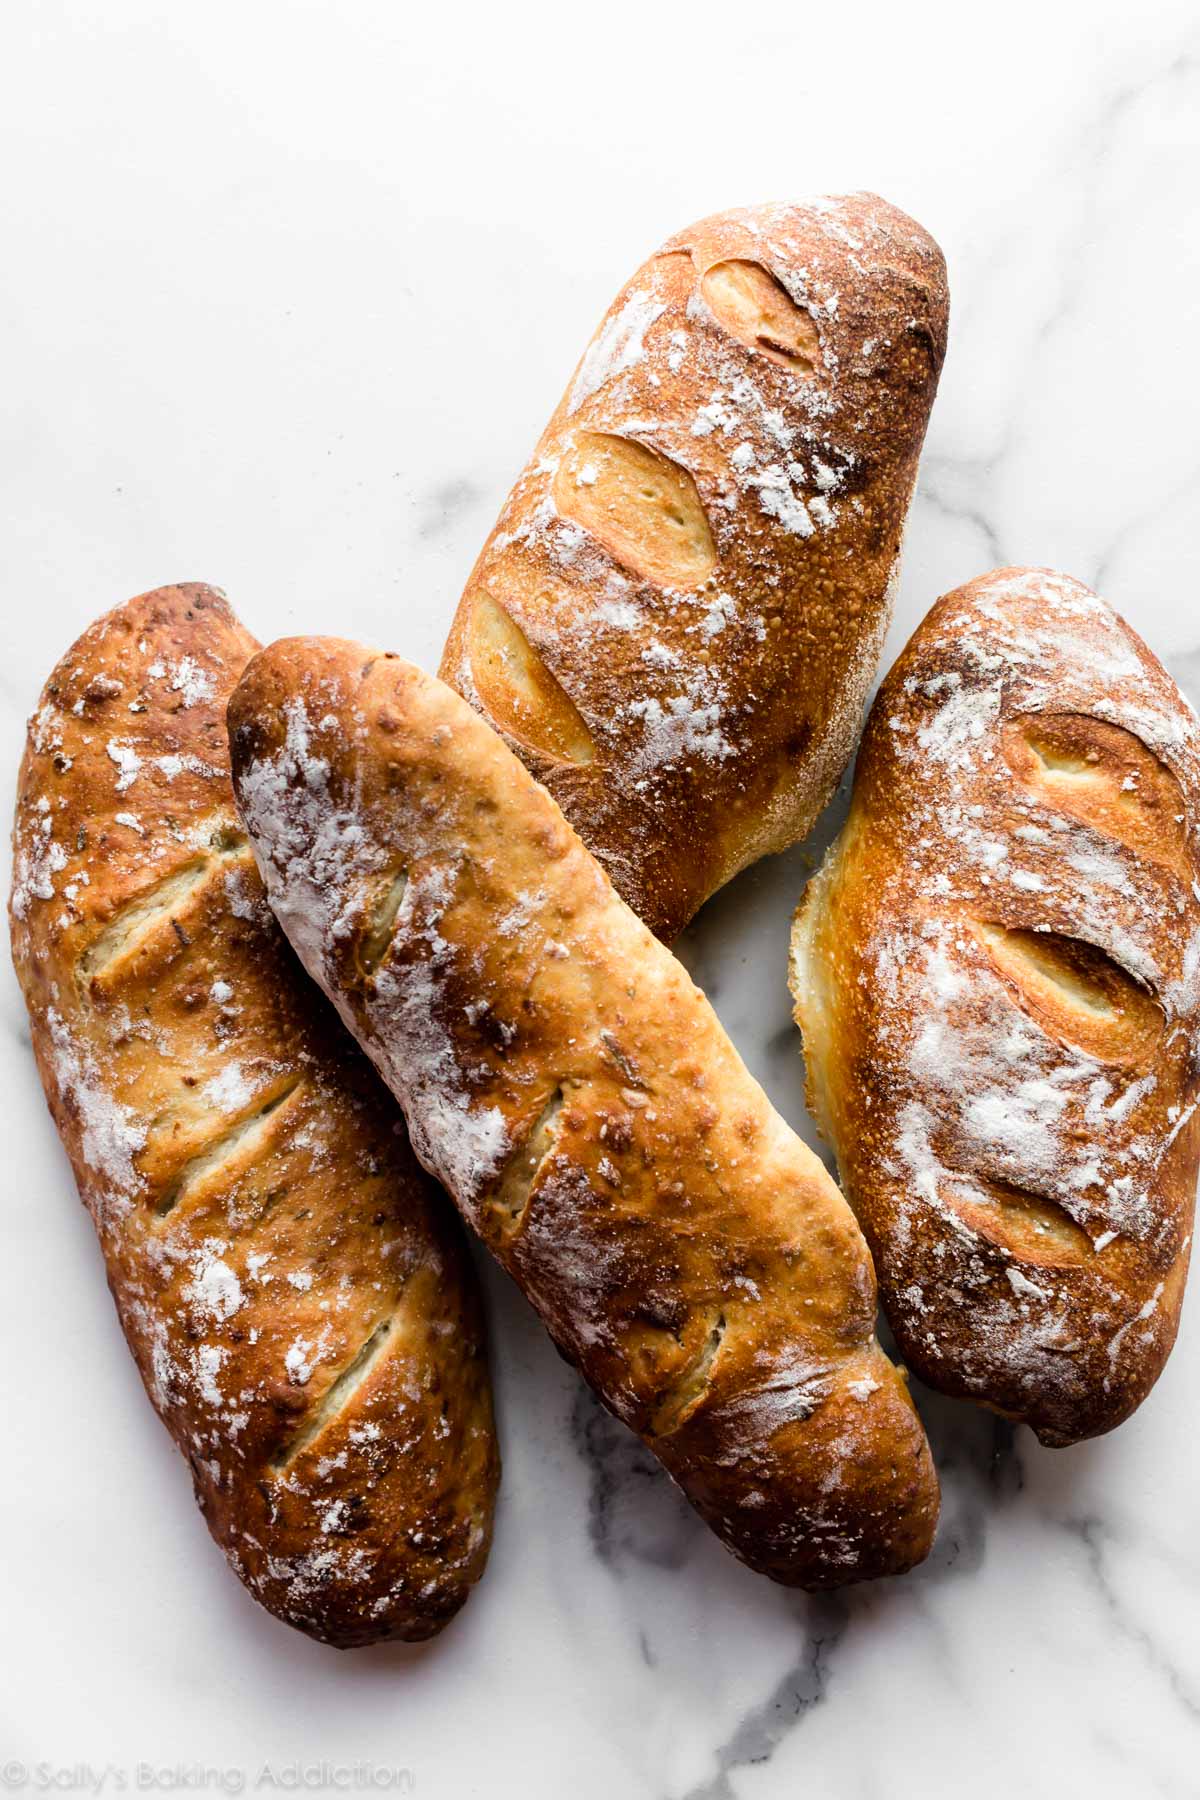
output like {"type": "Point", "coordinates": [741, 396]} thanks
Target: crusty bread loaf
{"type": "Point", "coordinates": [997, 974]}
{"type": "Point", "coordinates": [295, 1291]}
{"type": "Point", "coordinates": [678, 616]}
{"type": "Point", "coordinates": [577, 1096]}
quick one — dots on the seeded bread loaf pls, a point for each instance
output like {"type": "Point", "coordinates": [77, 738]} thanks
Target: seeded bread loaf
{"type": "Point", "coordinates": [677, 618]}
{"type": "Point", "coordinates": [295, 1291]}
{"type": "Point", "coordinates": [577, 1096]}
{"type": "Point", "coordinates": [997, 974]}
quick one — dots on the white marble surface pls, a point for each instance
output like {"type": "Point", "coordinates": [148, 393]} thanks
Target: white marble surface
{"type": "Point", "coordinates": [288, 291]}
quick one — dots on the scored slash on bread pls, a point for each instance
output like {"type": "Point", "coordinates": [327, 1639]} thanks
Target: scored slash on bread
{"type": "Point", "coordinates": [997, 975]}
{"type": "Point", "coordinates": [577, 1096]}
{"type": "Point", "coordinates": [677, 618]}
{"type": "Point", "coordinates": [295, 1291]}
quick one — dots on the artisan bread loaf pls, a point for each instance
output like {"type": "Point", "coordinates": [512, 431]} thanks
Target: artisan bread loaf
{"type": "Point", "coordinates": [677, 618]}
{"type": "Point", "coordinates": [997, 974]}
{"type": "Point", "coordinates": [296, 1293]}
{"type": "Point", "coordinates": [574, 1091]}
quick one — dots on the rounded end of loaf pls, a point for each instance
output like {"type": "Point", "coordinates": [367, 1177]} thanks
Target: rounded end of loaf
{"type": "Point", "coordinates": [890, 250]}
{"type": "Point", "coordinates": [257, 711]}
{"type": "Point", "coordinates": [163, 620]}
{"type": "Point", "coordinates": [334, 1613]}
{"type": "Point", "coordinates": [843, 1490]}
{"type": "Point", "coordinates": [1066, 1396]}
{"type": "Point", "coordinates": [1065, 1386]}
{"type": "Point", "coordinates": [93, 697]}
{"type": "Point", "coordinates": [339, 1620]}
{"type": "Point", "coordinates": [379, 1523]}
{"type": "Point", "coordinates": [89, 677]}
{"type": "Point", "coordinates": [318, 1585]}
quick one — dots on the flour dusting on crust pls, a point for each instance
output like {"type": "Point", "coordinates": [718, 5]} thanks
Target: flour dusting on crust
{"type": "Point", "coordinates": [722, 706]}
{"type": "Point", "coordinates": [275, 1254]}
{"type": "Point", "coordinates": [1026, 948]}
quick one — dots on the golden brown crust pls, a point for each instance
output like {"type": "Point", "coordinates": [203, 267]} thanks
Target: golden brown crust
{"type": "Point", "coordinates": [267, 1230]}
{"type": "Point", "coordinates": [997, 973]}
{"type": "Point", "coordinates": [578, 1097]}
{"type": "Point", "coordinates": [696, 564]}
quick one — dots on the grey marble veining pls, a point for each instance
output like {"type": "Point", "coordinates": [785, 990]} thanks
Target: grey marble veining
{"type": "Point", "coordinates": [289, 294]}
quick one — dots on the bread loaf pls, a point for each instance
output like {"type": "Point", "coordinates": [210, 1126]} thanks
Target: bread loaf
{"type": "Point", "coordinates": [997, 974]}
{"type": "Point", "coordinates": [294, 1290]}
{"type": "Point", "coordinates": [574, 1091]}
{"type": "Point", "coordinates": [678, 616]}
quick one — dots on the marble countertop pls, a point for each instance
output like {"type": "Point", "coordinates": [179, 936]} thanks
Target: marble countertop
{"type": "Point", "coordinates": [289, 291]}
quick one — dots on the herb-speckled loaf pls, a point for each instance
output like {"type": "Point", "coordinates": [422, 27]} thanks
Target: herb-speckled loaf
{"type": "Point", "coordinates": [294, 1289]}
